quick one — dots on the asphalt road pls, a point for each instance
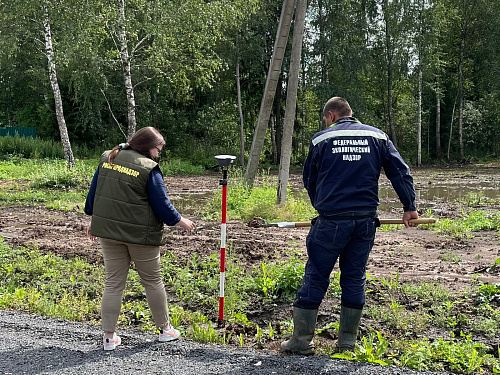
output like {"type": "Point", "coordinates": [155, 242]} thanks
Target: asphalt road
{"type": "Point", "coordinates": [32, 344]}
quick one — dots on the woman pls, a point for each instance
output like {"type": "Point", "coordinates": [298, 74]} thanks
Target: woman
{"type": "Point", "coordinates": [129, 205]}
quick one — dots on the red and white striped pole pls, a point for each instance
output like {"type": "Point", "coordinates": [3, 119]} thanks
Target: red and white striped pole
{"type": "Point", "coordinates": [224, 161]}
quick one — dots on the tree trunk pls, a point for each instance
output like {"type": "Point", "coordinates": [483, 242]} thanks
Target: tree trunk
{"type": "Point", "coordinates": [126, 67]}
{"type": "Point", "coordinates": [438, 122]}
{"type": "Point", "coordinates": [451, 126]}
{"type": "Point", "coordinates": [389, 53]}
{"type": "Point", "coordinates": [304, 110]}
{"type": "Point", "coordinates": [419, 118]}
{"type": "Point", "coordinates": [49, 49]}
{"type": "Point", "coordinates": [240, 111]}
{"type": "Point", "coordinates": [323, 52]}
{"type": "Point", "coordinates": [461, 94]}
{"type": "Point", "coordinates": [278, 128]}
{"type": "Point", "coordinates": [291, 99]}
{"type": "Point", "coordinates": [274, 147]}
{"type": "Point", "coordinates": [269, 91]}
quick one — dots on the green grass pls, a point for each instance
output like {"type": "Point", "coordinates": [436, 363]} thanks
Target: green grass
{"type": "Point", "coordinates": [245, 204]}
{"type": "Point", "coordinates": [473, 221]}
{"type": "Point", "coordinates": [49, 285]}
{"type": "Point", "coordinates": [48, 182]}
{"type": "Point", "coordinates": [460, 356]}
{"type": "Point", "coordinates": [400, 313]}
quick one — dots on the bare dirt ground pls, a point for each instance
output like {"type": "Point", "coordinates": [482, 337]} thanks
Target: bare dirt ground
{"type": "Point", "coordinates": [416, 254]}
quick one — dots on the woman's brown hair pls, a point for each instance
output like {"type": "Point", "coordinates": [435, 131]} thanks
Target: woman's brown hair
{"type": "Point", "coordinates": [142, 141]}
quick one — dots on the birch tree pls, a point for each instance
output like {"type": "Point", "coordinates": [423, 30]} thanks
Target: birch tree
{"type": "Point", "coordinates": [54, 83]}
{"type": "Point", "coordinates": [29, 25]}
{"type": "Point", "coordinates": [127, 71]}
{"type": "Point", "coordinates": [240, 113]}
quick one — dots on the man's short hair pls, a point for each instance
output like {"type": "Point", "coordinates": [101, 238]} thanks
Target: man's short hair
{"type": "Point", "coordinates": [338, 105]}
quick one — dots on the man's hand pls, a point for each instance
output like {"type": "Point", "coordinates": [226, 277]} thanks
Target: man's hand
{"type": "Point", "coordinates": [410, 215]}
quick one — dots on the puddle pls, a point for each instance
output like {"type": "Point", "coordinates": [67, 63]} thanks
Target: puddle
{"type": "Point", "coordinates": [435, 189]}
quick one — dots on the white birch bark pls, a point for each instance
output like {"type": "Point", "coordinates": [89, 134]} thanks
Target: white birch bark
{"type": "Point", "coordinates": [126, 67]}
{"type": "Point", "coordinates": [61, 122]}
{"type": "Point", "coordinates": [438, 122]}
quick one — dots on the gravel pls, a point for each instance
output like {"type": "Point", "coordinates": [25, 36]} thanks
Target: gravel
{"type": "Point", "coordinates": [31, 344]}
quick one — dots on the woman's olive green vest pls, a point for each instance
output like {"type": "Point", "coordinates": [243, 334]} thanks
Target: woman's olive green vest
{"type": "Point", "coordinates": [121, 207]}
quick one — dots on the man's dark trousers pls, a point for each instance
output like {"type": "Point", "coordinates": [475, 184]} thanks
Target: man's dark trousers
{"type": "Point", "coordinates": [350, 241]}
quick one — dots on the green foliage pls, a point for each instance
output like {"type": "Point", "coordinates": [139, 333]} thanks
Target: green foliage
{"type": "Point", "coordinates": [49, 285]}
{"type": "Point", "coordinates": [488, 293]}
{"type": "Point", "coordinates": [465, 357]}
{"type": "Point", "coordinates": [175, 166]}
{"type": "Point", "coordinates": [280, 280]}
{"type": "Point", "coordinates": [260, 201]}
{"type": "Point", "coordinates": [450, 257]}
{"type": "Point", "coordinates": [50, 183]}
{"type": "Point", "coordinates": [473, 221]}
{"type": "Point", "coordinates": [372, 350]}
{"type": "Point", "coordinates": [206, 333]}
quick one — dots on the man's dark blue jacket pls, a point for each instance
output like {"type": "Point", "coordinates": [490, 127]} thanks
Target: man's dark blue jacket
{"type": "Point", "coordinates": [343, 166]}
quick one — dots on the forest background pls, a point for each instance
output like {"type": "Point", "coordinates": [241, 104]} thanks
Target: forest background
{"type": "Point", "coordinates": [427, 72]}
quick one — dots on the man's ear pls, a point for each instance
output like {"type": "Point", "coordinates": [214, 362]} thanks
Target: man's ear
{"type": "Point", "coordinates": [334, 116]}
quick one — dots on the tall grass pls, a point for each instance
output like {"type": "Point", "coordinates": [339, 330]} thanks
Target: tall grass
{"type": "Point", "coordinates": [36, 148]}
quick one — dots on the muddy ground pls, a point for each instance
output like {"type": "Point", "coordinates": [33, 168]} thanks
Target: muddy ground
{"type": "Point", "coordinates": [415, 253]}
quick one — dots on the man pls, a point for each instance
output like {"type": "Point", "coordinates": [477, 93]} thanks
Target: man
{"type": "Point", "coordinates": [341, 176]}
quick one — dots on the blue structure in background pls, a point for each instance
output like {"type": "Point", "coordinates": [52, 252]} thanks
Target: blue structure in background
{"type": "Point", "coordinates": [18, 131]}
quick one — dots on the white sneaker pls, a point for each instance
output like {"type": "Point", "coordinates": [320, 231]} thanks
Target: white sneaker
{"type": "Point", "coordinates": [111, 344]}
{"type": "Point", "coordinates": [168, 334]}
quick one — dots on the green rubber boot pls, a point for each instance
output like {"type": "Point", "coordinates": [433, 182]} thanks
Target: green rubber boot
{"type": "Point", "coordinates": [304, 323]}
{"type": "Point", "coordinates": [348, 328]}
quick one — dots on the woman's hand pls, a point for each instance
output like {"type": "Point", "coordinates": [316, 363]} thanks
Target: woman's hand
{"type": "Point", "coordinates": [89, 235]}
{"type": "Point", "coordinates": [186, 224]}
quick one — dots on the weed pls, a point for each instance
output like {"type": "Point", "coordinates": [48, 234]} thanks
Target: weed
{"type": "Point", "coordinates": [206, 333]}
{"type": "Point", "coordinates": [450, 257]}
{"type": "Point", "coordinates": [331, 325]}
{"type": "Point", "coordinates": [488, 293]}
{"type": "Point", "coordinates": [280, 280]}
{"type": "Point", "coordinates": [372, 349]}
{"type": "Point", "coordinates": [271, 331]}
{"type": "Point", "coordinates": [464, 356]}
{"type": "Point", "coordinates": [259, 336]}
{"type": "Point", "coordinates": [473, 221]}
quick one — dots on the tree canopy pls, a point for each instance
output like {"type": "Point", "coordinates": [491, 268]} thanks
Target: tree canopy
{"type": "Point", "coordinates": [395, 61]}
